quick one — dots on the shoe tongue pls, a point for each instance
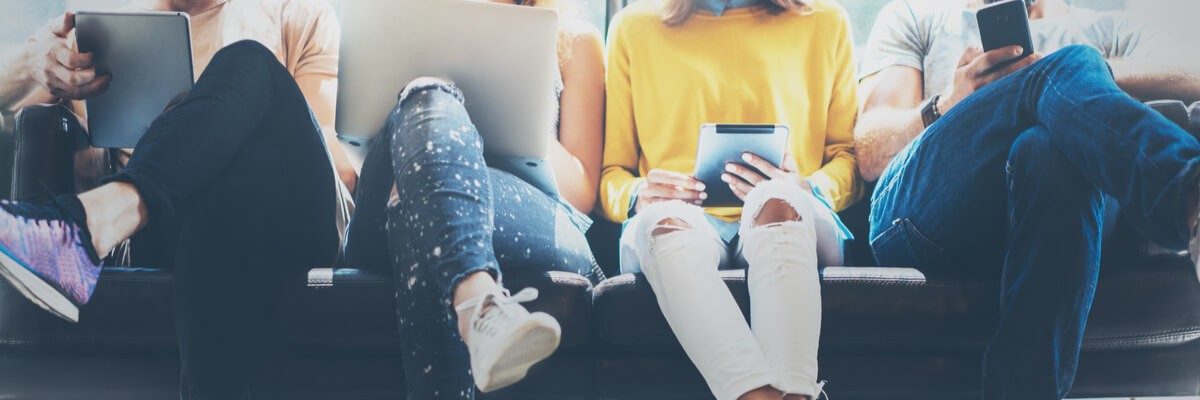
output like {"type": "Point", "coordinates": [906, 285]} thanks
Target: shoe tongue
{"type": "Point", "coordinates": [74, 214]}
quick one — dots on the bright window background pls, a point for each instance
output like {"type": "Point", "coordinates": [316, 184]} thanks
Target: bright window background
{"type": "Point", "coordinates": [20, 18]}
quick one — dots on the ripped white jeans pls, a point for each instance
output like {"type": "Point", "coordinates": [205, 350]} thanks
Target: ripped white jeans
{"type": "Point", "coordinates": [779, 347]}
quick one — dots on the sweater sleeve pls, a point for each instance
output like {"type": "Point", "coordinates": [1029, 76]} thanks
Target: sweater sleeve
{"type": "Point", "coordinates": [618, 179]}
{"type": "Point", "coordinates": [838, 177]}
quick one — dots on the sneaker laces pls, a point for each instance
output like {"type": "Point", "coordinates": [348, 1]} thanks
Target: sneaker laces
{"type": "Point", "coordinates": [47, 216]}
{"type": "Point", "coordinates": [504, 310]}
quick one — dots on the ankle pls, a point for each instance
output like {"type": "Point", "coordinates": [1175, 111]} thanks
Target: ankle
{"type": "Point", "coordinates": [762, 393]}
{"type": "Point", "coordinates": [115, 212]}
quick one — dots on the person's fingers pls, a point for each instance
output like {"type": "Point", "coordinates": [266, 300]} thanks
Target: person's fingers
{"type": "Point", "coordinates": [62, 26]}
{"type": "Point", "coordinates": [96, 86]}
{"type": "Point", "coordinates": [737, 184]}
{"type": "Point", "coordinates": [985, 63]}
{"type": "Point", "coordinates": [1007, 70]}
{"type": "Point", "coordinates": [69, 58]}
{"type": "Point", "coordinates": [670, 192]}
{"type": "Point", "coordinates": [664, 177]}
{"type": "Point", "coordinates": [744, 173]}
{"type": "Point", "coordinates": [63, 84]}
{"type": "Point", "coordinates": [764, 166]}
{"type": "Point", "coordinates": [789, 163]}
{"type": "Point", "coordinates": [71, 77]}
{"type": "Point", "coordinates": [968, 56]}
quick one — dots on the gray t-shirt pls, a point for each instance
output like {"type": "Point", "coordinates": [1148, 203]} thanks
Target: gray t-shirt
{"type": "Point", "coordinates": [931, 35]}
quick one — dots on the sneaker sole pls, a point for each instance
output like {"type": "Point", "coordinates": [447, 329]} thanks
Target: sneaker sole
{"type": "Point", "coordinates": [527, 346]}
{"type": "Point", "coordinates": [35, 289]}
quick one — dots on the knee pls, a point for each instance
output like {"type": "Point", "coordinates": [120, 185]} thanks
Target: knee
{"type": "Point", "coordinates": [776, 202]}
{"type": "Point", "coordinates": [1036, 153]}
{"type": "Point", "coordinates": [1076, 57]}
{"type": "Point", "coordinates": [245, 51]}
{"type": "Point", "coordinates": [1035, 160]}
{"type": "Point", "coordinates": [664, 218]}
{"type": "Point", "coordinates": [431, 86]}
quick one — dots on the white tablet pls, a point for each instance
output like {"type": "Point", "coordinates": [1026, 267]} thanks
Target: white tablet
{"type": "Point", "coordinates": [722, 144]}
{"type": "Point", "coordinates": [148, 55]}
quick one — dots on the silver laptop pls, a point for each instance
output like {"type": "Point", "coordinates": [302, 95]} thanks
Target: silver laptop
{"type": "Point", "coordinates": [501, 56]}
{"type": "Point", "coordinates": [149, 55]}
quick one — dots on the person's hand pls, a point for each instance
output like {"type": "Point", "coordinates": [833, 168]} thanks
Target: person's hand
{"type": "Point", "coordinates": [663, 185]}
{"type": "Point", "coordinates": [59, 69]}
{"type": "Point", "coordinates": [742, 180]}
{"type": "Point", "coordinates": [977, 69]}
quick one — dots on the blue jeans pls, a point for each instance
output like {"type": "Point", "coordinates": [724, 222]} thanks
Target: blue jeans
{"type": "Point", "coordinates": [454, 217]}
{"type": "Point", "coordinates": [1012, 181]}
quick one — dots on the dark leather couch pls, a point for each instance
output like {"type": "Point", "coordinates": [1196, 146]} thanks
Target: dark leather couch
{"type": "Point", "coordinates": [887, 332]}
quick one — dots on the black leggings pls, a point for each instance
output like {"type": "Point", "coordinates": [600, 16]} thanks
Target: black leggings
{"type": "Point", "coordinates": [240, 191]}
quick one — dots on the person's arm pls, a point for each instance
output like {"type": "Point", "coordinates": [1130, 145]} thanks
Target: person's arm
{"type": "Point", "coordinates": [318, 38]}
{"type": "Point", "coordinates": [892, 99]}
{"type": "Point", "coordinates": [576, 155]}
{"type": "Point", "coordinates": [838, 178]}
{"type": "Point", "coordinates": [618, 181]}
{"type": "Point", "coordinates": [1147, 62]}
{"type": "Point", "coordinates": [1158, 79]}
{"type": "Point", "coordinates": [890, 120]}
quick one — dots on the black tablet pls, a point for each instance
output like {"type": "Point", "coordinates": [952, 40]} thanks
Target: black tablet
{"type": "Point", "coordinates": [149, 55]}
{"type": "Point", "coordinates": [722, 144]}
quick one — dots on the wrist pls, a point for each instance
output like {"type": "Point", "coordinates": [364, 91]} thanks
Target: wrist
{"type": "Point", "coordinates": [943, 104]}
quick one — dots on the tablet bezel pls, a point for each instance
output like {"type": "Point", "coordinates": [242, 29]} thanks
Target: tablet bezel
{"type": "Point", "coordinates": [139, 98]}
{"type": "Point", "coordinates": [720, 144]}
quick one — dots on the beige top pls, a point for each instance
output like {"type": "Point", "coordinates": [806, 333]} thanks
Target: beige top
{"type": "Point", "coordinates": [303, 34]}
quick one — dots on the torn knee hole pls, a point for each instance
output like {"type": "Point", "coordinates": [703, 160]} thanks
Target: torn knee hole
{"type": "Point", "coordinates": [776, 211]}
{"type": "Point", "coordinates": [669, 225]}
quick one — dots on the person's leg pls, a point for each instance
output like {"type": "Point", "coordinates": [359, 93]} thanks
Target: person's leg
{"type": "Point", "coordinates": [268, 209]}
{"type": "Point", "coordinates": [679, 253]}
{"type": "Point", "coordinates": [184, 153]}
{"type": "Point", "coordinates": [942, 202]}
{"type": "Point", "coordinates": [780, 245]}
{"type": "Point", "coordinates": [533, 234]}
{"type": "Point", "coordinates": [442, 235]}
{"type": "Point", "coordinates": [1124, 148]}
{"type": "Point", "coordinates": [263, 204]}
{"type": "Point", "coordinates": [1050, 272]}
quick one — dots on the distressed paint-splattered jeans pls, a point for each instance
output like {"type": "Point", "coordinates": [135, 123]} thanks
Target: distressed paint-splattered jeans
{"type": "Point", "coordinates": [455, 216]}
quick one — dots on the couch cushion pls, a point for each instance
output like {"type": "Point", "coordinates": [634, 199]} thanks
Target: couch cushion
{"type": "Point", "coordinates": [877, 308]}
{"type": "Point", "coordinates": [353, 309]}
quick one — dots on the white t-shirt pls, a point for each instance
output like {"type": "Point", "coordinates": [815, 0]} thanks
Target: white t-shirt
{"type": "Point", "coordinates": [931, 35]}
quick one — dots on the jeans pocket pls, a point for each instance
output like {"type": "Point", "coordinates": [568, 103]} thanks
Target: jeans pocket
{"type": "Point", "coordinates": [903, 245]}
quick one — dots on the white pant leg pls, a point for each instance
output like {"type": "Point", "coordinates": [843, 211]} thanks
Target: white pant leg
{"type": "Point", "coordinates": [785, 289]}
{"type": "Point", "coordinates": [681, 268]}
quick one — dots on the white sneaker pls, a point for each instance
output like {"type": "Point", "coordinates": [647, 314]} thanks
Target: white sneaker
{"type": "Point", "coordinates": [505, 339]}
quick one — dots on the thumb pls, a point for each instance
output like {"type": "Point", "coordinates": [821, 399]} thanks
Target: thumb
{"type": "Point", "coordinates": [63, 26]}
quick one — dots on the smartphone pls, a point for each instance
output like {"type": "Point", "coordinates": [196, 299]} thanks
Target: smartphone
{"type": "Point", "coordinates": [1003, 24]}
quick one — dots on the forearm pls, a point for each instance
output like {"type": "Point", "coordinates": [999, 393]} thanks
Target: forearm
{"type": "Point", "coordinates": [1158, 80]}
{"type": "Point", "coordinates": [15, 83]}
{"type": "Point", "coordinates": [346, 168]}
{"type": "Point", "coordinates": [576, 184]}
{"type": "Point", "coordinates": [880, 134]}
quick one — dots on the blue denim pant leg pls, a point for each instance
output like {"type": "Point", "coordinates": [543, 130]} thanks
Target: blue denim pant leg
{"type": "Point", "coordinates": [1008, 184]}
{"type": "Point", "coordinates": [454, 217]}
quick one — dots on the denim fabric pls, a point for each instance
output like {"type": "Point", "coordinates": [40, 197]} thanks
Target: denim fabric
{"type": "Point", "coordinates": [456, 216]}
{"type": "Point", "coordinates": [1012, 183]}
{"type": "Point", "coordinates": [240, 192]}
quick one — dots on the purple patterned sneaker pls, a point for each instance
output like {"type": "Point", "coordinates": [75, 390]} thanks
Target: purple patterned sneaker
{"type": "Point", "coordinates": [43, 254]}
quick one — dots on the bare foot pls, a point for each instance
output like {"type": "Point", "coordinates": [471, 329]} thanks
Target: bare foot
{"type": "Point", "coordinates": [762, 393]}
